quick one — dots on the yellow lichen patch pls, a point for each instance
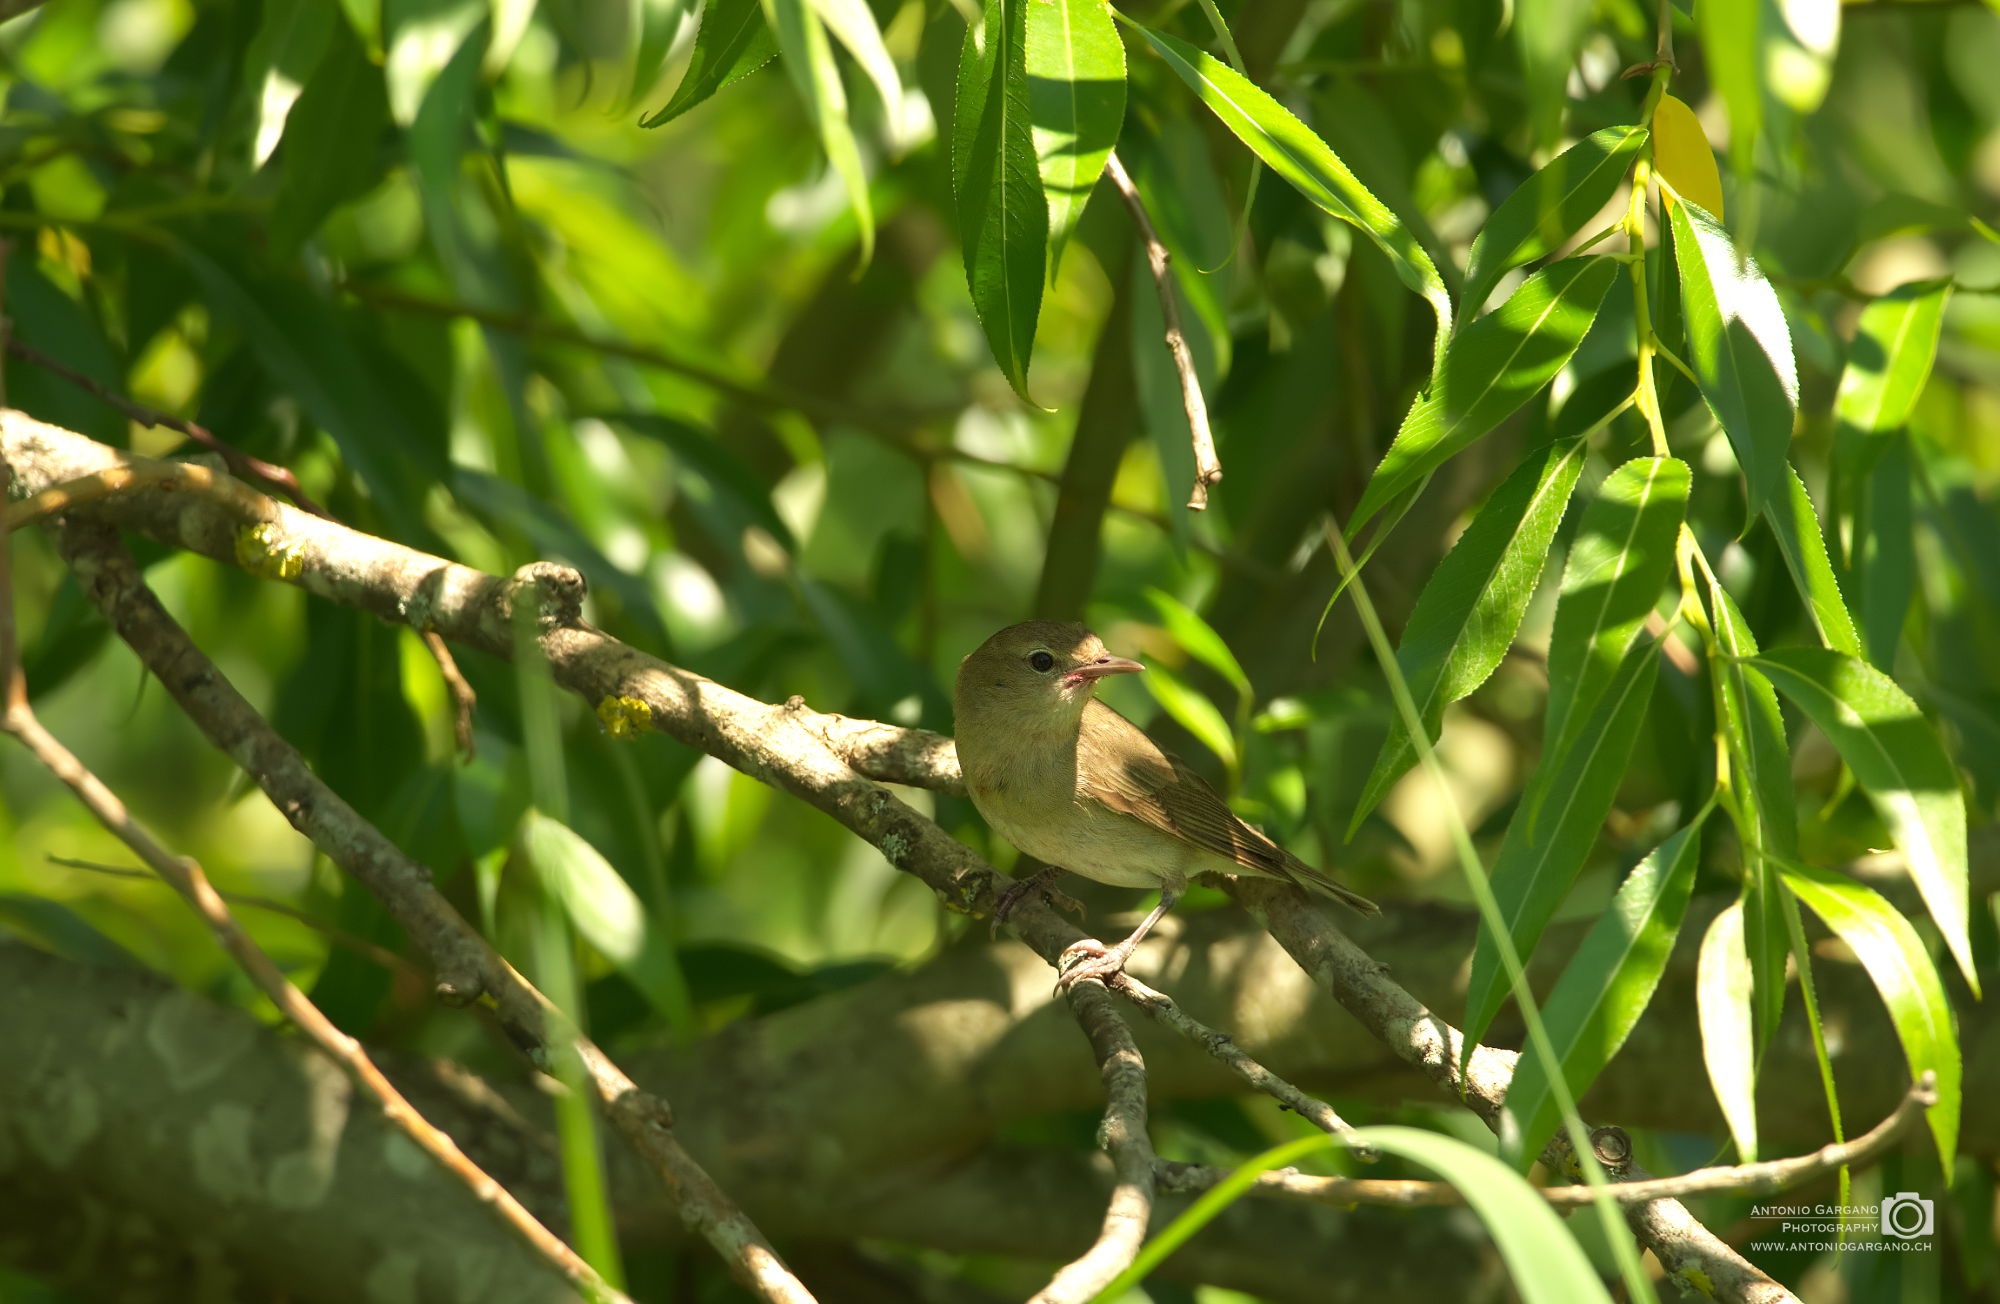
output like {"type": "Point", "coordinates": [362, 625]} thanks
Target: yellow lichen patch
{"type": "Point", "coordinates": [263, 550]}
{"type": "Point", "coordinates": [625, 717]}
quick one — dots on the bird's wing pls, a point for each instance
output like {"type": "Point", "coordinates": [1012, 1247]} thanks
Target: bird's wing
{"type": "Point", "coordinates": [1156, 788]}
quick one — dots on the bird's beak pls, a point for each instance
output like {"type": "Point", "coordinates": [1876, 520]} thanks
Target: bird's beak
{"type": "Point", "coordinates": [1103, 666]}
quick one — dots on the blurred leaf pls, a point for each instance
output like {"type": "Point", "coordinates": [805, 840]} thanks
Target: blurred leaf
{"type": "Point", "coordinates": [1896, 758]}
{"type": "Point", "coordinates": [1623, 554]}
{"type": "Point", "coordinates": [1549, 33]}
{"type": "Point", "coordinates": [1739, 346]}
{"type": "Point", "coordinates": [1682, 156]}
{"type": "Point", "coordinates": [732, 42]}
{"type": "Point", "coordinates": [853, 25]}
{"type": "Point", "coordinates": [1198, 638]}
{"type": "Point", "coordinates": [282, 59]}
{"type": "Point", "coordinates": [1076, 100]}
{"type": "Point", "coordinates": [1489, 370]}
{"type": "Point", "coordinates": [718, 466]}
{"type": "Point", "coordinates": [1798, 56]}
{"type": "Point", "coordinates": [1901, 969]}
{"type": "Point", "coordinates": [1308, 163]}
{"type": "Point", "coordinates": [1471, 606]}
{"type": "Point", "coordinates": [1723, 983]}
{"type": "Point", "coordinates": [1531, 876]}
{"type": "Point", "coordinates": [1885, 561]}
{"type": "Point", "coordinates": [425, 36]}
{"type": "Point", "coordinates": [606, 913]}
{"type": "Point", "coordinates": [1548, 208]}
{"type": "Point", "coordinates": [333, 142]}
{"type": "Point", "coordinates": [1895, 343]}
{"type": "Point", "coordinates": [54, 926]}
{"type": "Point", "coordinates": [656, 24]}
{"type": "Point", "coordinates": [1730, 47]}
{"type": "Point", "coordinates": [808, 59]}
{"type": "Point", "coordinates": [1003, 217]}
{"type": "Point", "coordinates": [1607, 984]}
{"type": "Point", "coordinates": [1192, 712]}
{"type": "Point", "coordinates": [1796, 526]}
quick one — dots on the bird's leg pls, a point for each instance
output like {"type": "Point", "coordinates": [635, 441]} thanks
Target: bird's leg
{"type": "Point", "coordinates": [1093, 959]}
{"type": "Point", "coordinates": [1042, 881]}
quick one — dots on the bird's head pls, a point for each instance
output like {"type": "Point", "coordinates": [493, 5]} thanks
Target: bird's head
{"type": "Point", "coordinates": [1040, 672]}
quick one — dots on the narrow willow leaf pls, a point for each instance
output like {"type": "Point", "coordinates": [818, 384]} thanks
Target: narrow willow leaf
{"type": "Point", "coordinates": [732, 42]}
{"type": "Point", "coordinates": [1199, 638]}
{"type": "Point", "coordinates": [1292, 151]}
{"type": "Point", "coordinates": [1532, 874]}
{"type": "Point", "coordinates": [852, 23]}
{"type": "Point", "coordinates": [1471, 606]}
{"type": "Point", "coordinates": [1607, 984]}
{"type": "Point", "coordinates": [1722, 988]}
{"type": "Point", "coordinates": [1192, 712]}
{"type": "Point", "coordinates": [1739, 347]}
{"type": "Point", "coordinates": [1548, 208]}
{"type": "Point", "coordinates": [1076, 100]}
{"type": "Point", "coordinates": [1003, 218]}
{"type": "Point", "coordinates": [1901, 969]}
{"type": "Point", "coordinates": [1730, 43]}
{"type": "Point", "coordinates": [1623, 554]}
{"type": "Point", "coordinates": [1489, 370]}
{"type": "Point", "coordinates": [1796, 525]}
{"type": "Point", "coordinates": [1798, 56]}
{"type": "Point", "coordinates": [1897, 759]}
{"type": "Point", "coordinates": [605, 911]}
{"type": "Point", "coordinates": [1550, 34]}
{"type": "Point", "coordinates": [809, 60]}
{"type": "Point", "coordinates": [1682, 157]}
{"type": "Point", "coordinates": [1895, 345]}
{"type": "Point", "coordinates": [1885, 560]}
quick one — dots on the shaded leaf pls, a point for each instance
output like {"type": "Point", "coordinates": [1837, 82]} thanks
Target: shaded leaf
{"type": "Point", "coordinates": [1739, 347]}
{"type": "Point", "coordinates": [1548, 208]}
{"type": "Point", "coordinates": [332, 142]}
{"type": "Point", "coordinates": [1003, 217]}
{"type": "Point", "coordinates": [1896, 758]}
{"type": "Point", "coordinates": [1076, 100]}
{"type": "Point", "coordinates": [1607, 985]}
{"type": "Point", "coordinates": [1471, 606]}
{"type": "Point", "coordinates": [1885, 560]}
{"type": "Point", "coordinates": [732, 42]}
{"type": "Point", "coordinates": [808, 59]}
{"type": "Point", "coordinates": [1489, 370]}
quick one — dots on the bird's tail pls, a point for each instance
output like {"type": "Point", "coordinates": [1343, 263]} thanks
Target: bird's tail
{"type": "Point", "coordinates": [1319, 880]}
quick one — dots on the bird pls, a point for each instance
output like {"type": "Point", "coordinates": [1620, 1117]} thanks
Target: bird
{"type": "Point", "coordinates": [1073, 783]}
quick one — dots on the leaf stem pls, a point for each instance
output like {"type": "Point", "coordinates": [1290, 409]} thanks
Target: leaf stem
{"type": "Point", "coordinates": [1635, 237]}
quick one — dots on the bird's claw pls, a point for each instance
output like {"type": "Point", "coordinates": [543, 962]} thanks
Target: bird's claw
{"type": "Point", "coordinates": [1089, 959]}
{"type": "Point", "coordinates": [1010, 900]}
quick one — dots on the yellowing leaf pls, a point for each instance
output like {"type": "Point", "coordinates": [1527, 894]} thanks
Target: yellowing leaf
{"type": "Point", "coordinates": [1682, 157]}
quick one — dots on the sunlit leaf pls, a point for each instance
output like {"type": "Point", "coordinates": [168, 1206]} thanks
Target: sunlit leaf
{"type": "Point", "coordinates": [1896, 758]}
{"type": "Point", "coordinates": [1076, 99]}
{"type": "Point", "coordinates": [808, 59]}
{"type": "Point", "coordinates": [1607, 984]}
{"type": "Point", "coordinates": [1895, 343]}
{"type": "Point", "coordinates": [1682, 156]}
{"type": "Point", "coordinates": [1723, 984]}
{"type": "Point", "coordinates": [1489, 370]}
{"type": "Point", "coordinates": [1198, 638]}
{"type": "Point", "coordinates": [1003, 217]}
{"type": "Point", "coordinates": [1739, 346]}
{"type": "Point", "coordinates": [1730, 44]}
{"type": "Point", "coordinates": [852, 23]}
{"type": "Point", "coordinates": [335, 131]}
{"type": "Point", "coordinates": [1796, 526]}
{"type": "Point", "coordinates": [1549, 33]}
{"type": "Point", "coordinates": [1192, 712]}
{"type": "Point", "coordinates": [732, 42]}
{"type": "Point", "coordinates": [1548, 208]}
{"type": "Point", "coordinates": [1901, 969]}
{"type": "Point", "coordinates": [1471, 606]}
{"type": "Point", "coordinates": [1292, 151]}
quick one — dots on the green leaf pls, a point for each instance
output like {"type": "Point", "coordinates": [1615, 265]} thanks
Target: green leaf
{"type": "Point", "coordinates": [808, 58]}
{"type": "Point", "coordinates": [1531, 875]}
{"type": "Point", "coordinates": [1730, 47]}
{"type": "Point", "coordinates": [853, 25]}
{"type": "Point", "coordinates": [1003, 217]}
{"type": "Point", "coordinates": [1548, 208]}
{"type": "Point", "coordinates": [606, 912]}
{"type": "Point", "coordinates": [1623, 554]}
{"type": "Point", "coordinates": [1884, 557]}
{"type": "Point", "coordinates": [1490, 369]}
{"type": "Point", "coordinates": [1796, 525]}
{"type": "Point", "coordinates": [1739, 347]}
{"type": "Point", "coordinates": [1723, 985]}
{"type": "Point", "coordinates": [732, 42]}
{"type": "Point", "coordinates": [1550, 34]}
{"type": "Point", "coordinates": [1076, 100]}
{"type": "Point", "coordinates": [1897, 759]}
{"type": "Point", "coordinates": [1471, 606]}
{"type": "Point", "coordinates": [1895, 345]}
{"type": "Point", "coordinates": [1192, 712]}
{"type": "Point", "coordinates": [1543, 1258]}
{"type": "Point", "coordinates": [1607, 984]}
{"type": "Point", "coordinates": [332, 142]}
{"type": "Point", "coordinates": [1199, 638]}
{"type": "Point", "coordinates": [1901, 969]}
{"type": "Point", "coordinates": [1292, 151]}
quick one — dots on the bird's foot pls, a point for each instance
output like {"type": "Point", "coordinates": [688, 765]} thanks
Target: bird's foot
{"type": "Point", "coordinates": [1090, 959]}
{"type": "Point", "coordinates": [1017, 891]}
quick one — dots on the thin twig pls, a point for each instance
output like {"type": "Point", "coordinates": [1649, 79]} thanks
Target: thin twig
{"type": "Point", "coordinates": [1207, 466]}
{"type": "Point", "coordinates": [463, 699]}
{"type": "Point", "coordinates": [1123, 1134]}
{"type": "Point", "coordinates": [1740, 1179]}
{"type": "Point", "coordinates": [186, 877]}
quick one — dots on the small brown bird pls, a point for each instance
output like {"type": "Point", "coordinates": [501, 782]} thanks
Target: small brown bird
{"type": "Point", "coordinates": [1070, 781]}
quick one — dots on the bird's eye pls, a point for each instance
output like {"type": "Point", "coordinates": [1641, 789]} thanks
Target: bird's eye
{"type": "Point", "coordinates": [1042, 662]}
